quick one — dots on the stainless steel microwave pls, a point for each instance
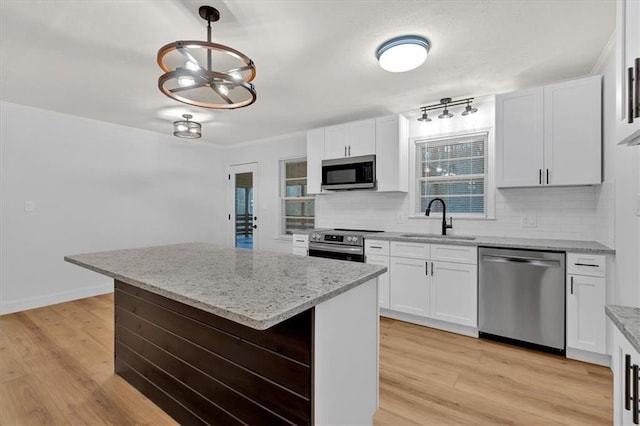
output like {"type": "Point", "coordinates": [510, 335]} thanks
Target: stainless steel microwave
{"type": "Point", "coordinates": [349, 173]}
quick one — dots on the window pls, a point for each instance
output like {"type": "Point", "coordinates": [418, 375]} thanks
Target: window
{"type": "Point", "coordinates": [453, 169]}
{"type": "Point", "coordinates": [298, 208]}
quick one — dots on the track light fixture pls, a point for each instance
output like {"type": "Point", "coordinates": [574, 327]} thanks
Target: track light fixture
{"type": "Point", "coordinates": [446, 103]}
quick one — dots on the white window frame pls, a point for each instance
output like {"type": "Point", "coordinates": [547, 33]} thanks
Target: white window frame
{"type": "Point", "coordinates": [282, 191]}
{"type": "Point", "coordinates": [489, 179]}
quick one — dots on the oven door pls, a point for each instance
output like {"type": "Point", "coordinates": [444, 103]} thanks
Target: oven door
{"type": "Point", "coordinates": [349, 173]}
{"type": "Point", "coordinates": [336, 251]}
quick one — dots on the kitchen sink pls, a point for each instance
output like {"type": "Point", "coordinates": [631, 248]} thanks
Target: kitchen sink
{"type": "Point", "coordinates": [447, 237]}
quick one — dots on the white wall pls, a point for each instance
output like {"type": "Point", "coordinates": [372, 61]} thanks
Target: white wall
{"type": "Point", "coordinates": [95, 186]}
{"type": "Point", "coordinates": [561, 213]}
{"type": "Point", "coordinates": [267, 153]}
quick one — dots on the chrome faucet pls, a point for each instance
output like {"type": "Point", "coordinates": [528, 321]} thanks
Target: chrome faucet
{"type": "Point", "coordinates": [445, 225]}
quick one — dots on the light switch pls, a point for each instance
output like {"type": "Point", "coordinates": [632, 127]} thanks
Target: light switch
{"type": "Point", "coordinates": [528, 220]}
{"type": "Point", "coordinates": [29, 205]}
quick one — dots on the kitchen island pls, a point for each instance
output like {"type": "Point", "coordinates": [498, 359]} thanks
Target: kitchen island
{"type": "Point", "coordinates": [218, 335]}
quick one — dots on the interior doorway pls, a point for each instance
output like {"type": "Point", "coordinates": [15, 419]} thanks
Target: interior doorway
{"type": "Point", "coordinates": [243, 205]}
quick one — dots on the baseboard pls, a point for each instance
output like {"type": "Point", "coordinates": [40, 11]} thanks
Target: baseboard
{"type": "Point", "coordinates": [440, 325]}
{"type": "Point", "coordinates": [590, 357]}
{"type": "Point", "coordinates": [52, 299]}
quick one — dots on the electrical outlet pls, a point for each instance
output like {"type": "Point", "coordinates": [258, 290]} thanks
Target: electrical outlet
{"type": "Point", "coordinates": [528, 221]}
{"type": "Point", "coordinates": [29, 206]}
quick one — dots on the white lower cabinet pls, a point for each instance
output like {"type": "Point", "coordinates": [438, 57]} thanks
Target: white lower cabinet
{"type": "Point", "coordinates": [300, 244]}
{"type": "Point", "coordinates": [454, 295]}
{"type": "Point", "coordinates": [409, 286]}
{"type": "Point", "coordinates": [383, 280]}
{"type": "Point", "coordinates": [586, 299]}
{"type": "Point", "coordinates": [623, 358]}
{"type": "Point", "coordinates": [423, 284]}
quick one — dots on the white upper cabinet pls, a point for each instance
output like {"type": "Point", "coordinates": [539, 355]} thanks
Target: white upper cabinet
{"type": "Point", "coordinates": [551, 135]}
{"type": "Point", "coordinates": [392, 153]}
{"type": "Point", "coordinates": [627, 50]}
{"type": "Point", "coordinates": [350, 140]}
{"type": "Point", "coordinates": [519, 137]}
{"type": "Point", "coordinates": [572, 139]}
{"type": "Point", "coordinates": [315, 154]}
{"type": "Point", "coordinates": [386, 137]}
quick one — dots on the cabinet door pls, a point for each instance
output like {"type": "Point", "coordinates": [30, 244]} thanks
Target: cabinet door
{"type": "Point", "coordinates": [315, 154]}
{"type": "Point", "coordinates": [409, 286]}
{"type": "Point", "coordinates": [361, 138]}
{"type": "Point", "coordinates": [586, 319]}
{"type": "Point", "coordinates": [454, 295]}
{"type": "Point", "coordinates": [392, 153]}
{"type": "Point", "coordinates": [627, 49]}
{"type": "Point", "coordinates": [621, 348]}
{"type": "Point", "coordinates": [519, 138]}
{"type": "Point", "coordinates": [383, 280]}
{"type": "Point", "coordinates": [335, 141]}
{"type": "Point", "coordinates": [572, 126]}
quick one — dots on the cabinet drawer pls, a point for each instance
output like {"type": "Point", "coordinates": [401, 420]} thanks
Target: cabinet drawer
{"type": "Point", "coordinates": [300, 240]}
{"type": "Point", "coordinates": [453, 253]}
{"type": "Point", "coordinates": [376, 247]}
{"type": "Point", "coordinates": [410, 250]}
{"type": "Point", "coordinates": [586, 264]}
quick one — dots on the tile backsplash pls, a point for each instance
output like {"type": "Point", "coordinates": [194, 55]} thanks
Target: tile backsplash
{"type": "Point", "coordinates": [577, 213]}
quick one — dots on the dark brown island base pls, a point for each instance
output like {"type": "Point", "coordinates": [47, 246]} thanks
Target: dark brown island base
{"type": "Point", "coordinates": [206, 353]}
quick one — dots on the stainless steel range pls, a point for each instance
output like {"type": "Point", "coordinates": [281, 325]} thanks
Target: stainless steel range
{"type": "Point", "coordinates": [342, 244]}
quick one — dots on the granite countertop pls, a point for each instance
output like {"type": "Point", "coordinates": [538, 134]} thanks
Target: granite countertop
{"type": "Point", "coordinates": [627, 319]}
{"type": "Point", "coordinates": [258, 289]}
{"type": "Point", "coordinates": [501, 242]}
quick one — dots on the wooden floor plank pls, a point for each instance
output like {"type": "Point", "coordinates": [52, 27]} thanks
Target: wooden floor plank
{"type": "Point", "coordinates": [56, 367]}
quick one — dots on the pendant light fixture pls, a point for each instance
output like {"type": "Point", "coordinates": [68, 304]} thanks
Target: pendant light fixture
{"type": "Point", "coordinates": [469, 109]}
{"type": "Point", "coordinates": [187, 129]}
{"type": "Point", "coordinates": [403, 53]}
{"type": "Point", "coordinates": [206, 74]}
{"type": "Point", "coordinates": [446, 103]}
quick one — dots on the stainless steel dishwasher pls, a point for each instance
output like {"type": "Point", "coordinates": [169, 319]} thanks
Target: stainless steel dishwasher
{"type": "Point", "coordinates": [522, 297]}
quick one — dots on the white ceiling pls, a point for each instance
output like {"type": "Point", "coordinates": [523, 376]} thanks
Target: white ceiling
{"type": "Point", "coordinates": [315, 60]}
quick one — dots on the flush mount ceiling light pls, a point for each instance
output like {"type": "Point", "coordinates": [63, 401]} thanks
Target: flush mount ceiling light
{"type": "Point", "coordinates": [446, 103]}
{"type": "Point", "coordinates": [187, 129]}
{"type": "Point", "coordinates": [403, 53]}
{"type": "Point", "coordinates": [206, 74]}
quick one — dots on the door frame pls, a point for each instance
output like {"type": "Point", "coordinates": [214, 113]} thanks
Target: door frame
{"type": "Point", "coordinates": [231, 211]}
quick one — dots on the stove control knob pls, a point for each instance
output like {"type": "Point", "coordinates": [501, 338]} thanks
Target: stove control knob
{"type": "Point", "coordinates": [351, 239]}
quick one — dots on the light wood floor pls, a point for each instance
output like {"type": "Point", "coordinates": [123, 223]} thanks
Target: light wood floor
{"type": "Point", "coordinates": [56, 367]}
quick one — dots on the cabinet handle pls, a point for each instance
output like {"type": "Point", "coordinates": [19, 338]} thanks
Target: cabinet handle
{"type": "Point", "coordinates": [547, 176]}
{"type": "Point", "coordinates": [634, 397]}
{"type": "Point", "coordinates": [431, 268]}
{"type": "Point", "coordinates": [571, 284]}
{"type": "Point", "coordinates": [426, 268]}
{"type": "Point", "coordinates": [637, 84]}
{"type": "Point", "coordinates": [345, 150]}
{"type": "Point", "coordinates": [540, 176]}
{"type": "Point", "coordinates": [630, 95]}
{"type": "Point", "coordinates": [592, 265]}
{"type": "Point", "coordinates": [627, 382]}
{"type": "Point", "coordinates": [349, 150]}
{"type": "Point", "coordinates": [299, 241]}
{"type": "Point", "coordinates": [376, 247]}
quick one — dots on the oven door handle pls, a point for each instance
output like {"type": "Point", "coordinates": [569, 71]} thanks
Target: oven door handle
{"type": "Point", "coordinates": [335, 248]}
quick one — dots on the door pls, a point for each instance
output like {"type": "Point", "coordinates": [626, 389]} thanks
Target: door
{"type": "Point", "coordinates": [519, 138]}
{"type": "Point", "coordinates": [410, 286]}
{"type": "Point", "coordinates": [586, 320]}
{"type": "Point", "coordinates": [243, 217]}
{"type": "Point", "coordinates": [454, 293]}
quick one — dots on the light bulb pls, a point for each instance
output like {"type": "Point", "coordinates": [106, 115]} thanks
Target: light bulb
{"type": "Point", "coordinates": [182, 127]}
{"type": "Point", "coordinates": [191, 66]}
{"type": "Point", "coordinates": [223, 89]}
{"type": "Point", "coordinates": [186, 81]}
{"type": "Point", "coordinates": [236, 75]}
{"type": "Point", "coordinates": [193, 130]}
